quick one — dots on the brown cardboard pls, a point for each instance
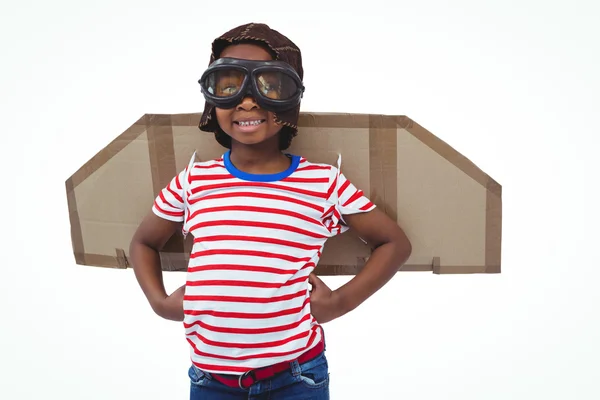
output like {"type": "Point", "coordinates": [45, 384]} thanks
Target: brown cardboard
{"type": "Point", "coordinates": [450, 209]}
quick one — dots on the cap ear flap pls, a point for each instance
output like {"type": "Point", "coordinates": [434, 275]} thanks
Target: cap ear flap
{"type": "Point", "coordinates": [207, 120]}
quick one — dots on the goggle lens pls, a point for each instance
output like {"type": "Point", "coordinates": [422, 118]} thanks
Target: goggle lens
{"type": "Point", "coordinates": [224, 83]}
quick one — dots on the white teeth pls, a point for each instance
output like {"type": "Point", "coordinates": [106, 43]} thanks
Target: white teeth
{"type": "Point", "coordinates": [250, 123]}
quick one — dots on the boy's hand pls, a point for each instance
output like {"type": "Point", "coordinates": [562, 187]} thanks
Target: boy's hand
{"type": "Point", "coordinates": [171, 307]}
{"type": "Point", "coordinates": [324, 303]}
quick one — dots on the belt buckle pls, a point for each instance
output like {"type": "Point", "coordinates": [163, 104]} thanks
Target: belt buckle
{"type": "Point", "coordinates": [242, 376]}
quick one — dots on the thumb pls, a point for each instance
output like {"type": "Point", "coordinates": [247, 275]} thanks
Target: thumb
{"type": "Point", "coordinates": [314, 281]}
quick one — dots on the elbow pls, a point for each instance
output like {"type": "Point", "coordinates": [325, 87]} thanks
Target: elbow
{"type": "Point", "coordinates": [133, 243]}
{"type": "Point", "coordinates": [398, 245]}
{"type": "Point", "coordinates": [134, 249]}
{"type": "Point", "coordinates": [138, 247]}
{"type": "Point", "coordinates": [403, 248]}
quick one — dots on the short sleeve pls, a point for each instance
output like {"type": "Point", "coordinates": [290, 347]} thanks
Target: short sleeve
{"type": "Point", "coordinates": [169, 202]}
{"type": "Point", "coordinates": [344, 198]}
{"type": "Point", "coordinates": [351, 200]}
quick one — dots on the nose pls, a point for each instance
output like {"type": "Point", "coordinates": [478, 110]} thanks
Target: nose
{"type": "Point", "coordinates": [248, 103]}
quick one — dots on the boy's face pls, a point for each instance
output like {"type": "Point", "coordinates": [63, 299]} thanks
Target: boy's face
{"type": "Point", "coordinates": [248, 109]}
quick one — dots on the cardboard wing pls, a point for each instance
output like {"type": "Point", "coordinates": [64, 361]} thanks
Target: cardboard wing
{"type": "Point", "coordinates": [450, 209]}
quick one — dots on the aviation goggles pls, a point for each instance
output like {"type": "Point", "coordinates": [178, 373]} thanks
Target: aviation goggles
{"type": "Point", "coordinates": [274, 85]}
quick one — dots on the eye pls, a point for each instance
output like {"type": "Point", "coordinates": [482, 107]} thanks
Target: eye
{"type": "Point", "coordinates": [226, 83]}
{"type": "Point", "coordinates": [267, 87]}
{"type": "Point", "coordinates": [229, 89]}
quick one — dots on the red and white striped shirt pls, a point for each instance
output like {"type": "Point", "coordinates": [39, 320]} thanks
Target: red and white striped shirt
{"type": "Point", "coordinates": [256, 240]}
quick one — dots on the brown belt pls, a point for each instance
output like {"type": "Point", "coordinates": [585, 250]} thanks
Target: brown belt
{"type": "Point", "coordinates": [250, 377]}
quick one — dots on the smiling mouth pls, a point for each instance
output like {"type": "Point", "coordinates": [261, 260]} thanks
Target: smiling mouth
{"type": "Point", "coordinates": [254, 122]}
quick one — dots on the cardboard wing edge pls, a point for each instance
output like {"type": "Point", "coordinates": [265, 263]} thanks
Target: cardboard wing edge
{"type": "Point", "coordinates": [493, 230]}
{"type": "Point", "coordinates": [81, 174]}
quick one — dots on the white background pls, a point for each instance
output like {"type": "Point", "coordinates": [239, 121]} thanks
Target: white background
{"type": "Point", "coordinates": [512, 85]}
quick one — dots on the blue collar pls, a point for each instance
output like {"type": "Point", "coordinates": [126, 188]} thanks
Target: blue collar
{"type": "Point", "coordinates": [260, 177]}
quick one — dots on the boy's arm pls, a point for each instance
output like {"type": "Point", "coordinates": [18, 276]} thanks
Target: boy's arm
{"type": "Point", "coordinates": [164, 219]}
{"type": "Point", "coordinates": [392, 249]}
{"type": "Point", "coordinates": [152, 234]}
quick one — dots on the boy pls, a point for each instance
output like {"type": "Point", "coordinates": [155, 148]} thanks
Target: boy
{"type": "Point", "coordinates": [259, 218]}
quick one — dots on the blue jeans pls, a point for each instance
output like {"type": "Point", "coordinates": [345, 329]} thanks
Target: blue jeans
{"type": "Point", "coordinates": [307, 381]}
